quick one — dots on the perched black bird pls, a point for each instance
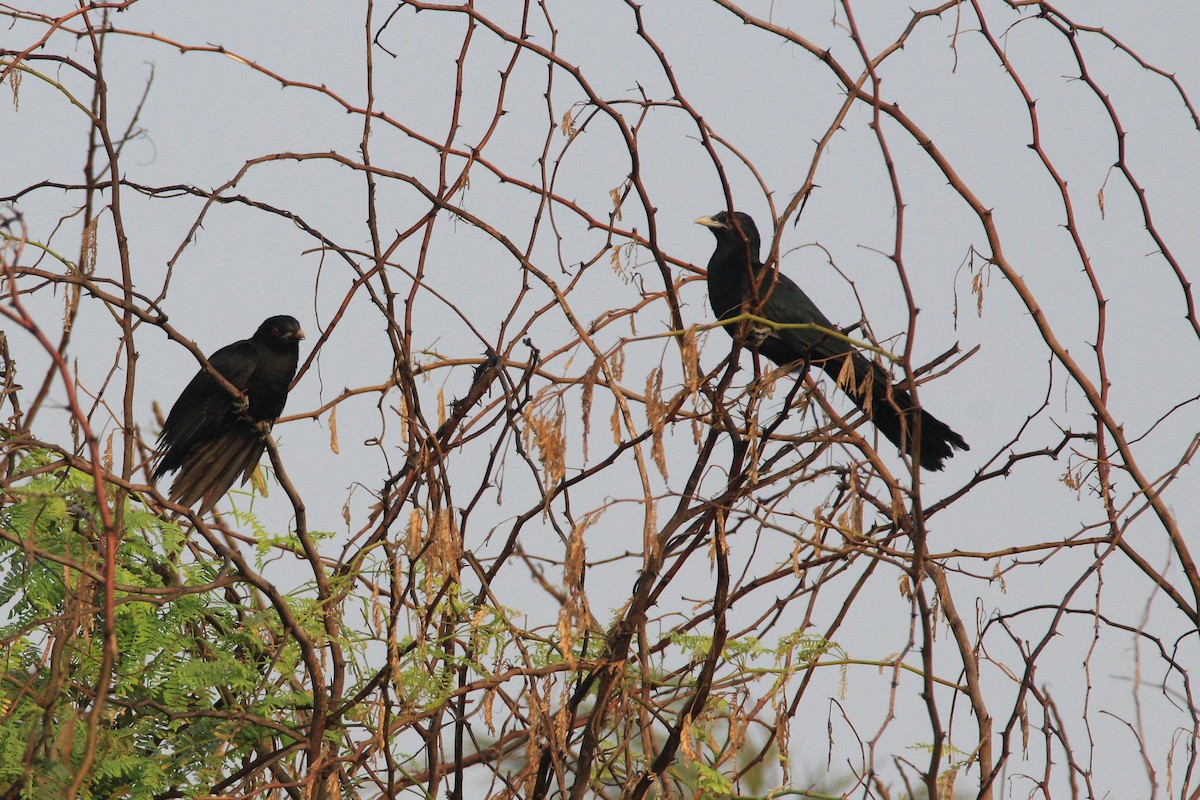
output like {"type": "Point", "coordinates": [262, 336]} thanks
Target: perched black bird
{"type": "Point", "coordinates": [211, 437]}
{"type": "Point", "coordinates": [733, 271]}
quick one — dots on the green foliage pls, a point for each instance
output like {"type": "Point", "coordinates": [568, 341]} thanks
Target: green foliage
{"type": "Point", "coordinates": [712, 783]}
{"type": "Point", "coordinates": [197, 666]}
{"type": "Point", "coordinates": [806, 647]}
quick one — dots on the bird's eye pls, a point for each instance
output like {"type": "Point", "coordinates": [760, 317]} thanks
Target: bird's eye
{"type": "Point", "coordinates": [275, 332]}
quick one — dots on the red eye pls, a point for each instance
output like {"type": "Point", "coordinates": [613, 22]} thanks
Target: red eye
{"type": "Point", "coordinates": [275, 332]}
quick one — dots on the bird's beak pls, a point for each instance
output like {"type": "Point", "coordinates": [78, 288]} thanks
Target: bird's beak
{"type": "Point", "coordinates": [297, 336]}
{"type": "Point", "coordinates": [708, 222]}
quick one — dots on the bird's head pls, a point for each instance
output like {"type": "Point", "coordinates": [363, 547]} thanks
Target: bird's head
{"type": "Point", "coordinates": [279, 330]}
{"type": "Point", "coordinates": [736, 229]}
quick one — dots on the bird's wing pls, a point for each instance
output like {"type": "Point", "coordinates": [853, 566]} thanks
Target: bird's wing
{"type": "Point", "coordinates": [787, 303]}
{"type": "Point", "coordinates": [204, 407]}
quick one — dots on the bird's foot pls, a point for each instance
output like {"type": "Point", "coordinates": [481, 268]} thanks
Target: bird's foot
{"type": "Point", "coordinates": [263, 427]}
{"type": "Point", "coordinates": [757, 334]}
{"type": "Point", "coordinates": [240, 404]}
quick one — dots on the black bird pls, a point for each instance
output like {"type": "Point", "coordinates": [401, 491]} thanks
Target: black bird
{"type": "Point", "coordinates": [733, 271]}
{"type": "Point", "coordinates": [211, 437]}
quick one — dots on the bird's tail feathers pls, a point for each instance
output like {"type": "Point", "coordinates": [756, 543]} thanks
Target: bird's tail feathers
{"type": "Point", "coordinates": [214, 467]}
{"type": "Point", "coordinates": [892, 411]}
